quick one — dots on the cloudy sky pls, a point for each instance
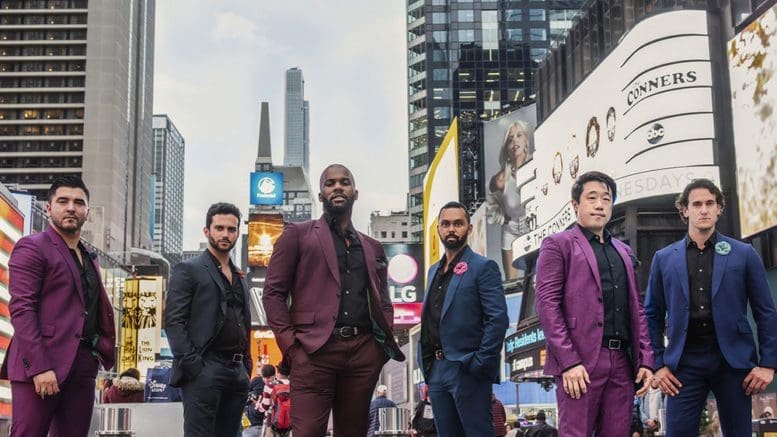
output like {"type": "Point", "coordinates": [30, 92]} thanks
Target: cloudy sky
{"type": "Point", "coordinates": [216, 61]}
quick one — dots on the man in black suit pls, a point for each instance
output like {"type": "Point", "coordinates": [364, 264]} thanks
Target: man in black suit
{"type": "Point", "coordinates": [207, 322]}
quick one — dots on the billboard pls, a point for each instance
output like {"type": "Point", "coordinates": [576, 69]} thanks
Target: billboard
{"type": "Point", "coordinates": [141, 323]}
{"type": "Point", "coordinates": [24, 203]}
{"type": "Point", "coordinates": [644, 116]}
{"type": "Point", "coordinates": [508, 144]}
{"type": "Point", "coordinates": [11, 226]}
{"type": "Point", "coordinates": [263, 232]}
{"type": "Point", "coordinates": [441, 185]}
{"type": "Point", "coordinates": [405, 282]}
{"type": "Point", "coordinates": [266, 188]}
{"type": "Point", "coordinates": [752, 61]}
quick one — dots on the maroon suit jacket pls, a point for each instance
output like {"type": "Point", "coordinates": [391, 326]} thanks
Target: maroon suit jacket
{"type": "Point", "coordinates": [47, 306]}
{"type": "Point", "coordinates": [302, 285]}
{"type": "Point", "coordinates": [569, 307]}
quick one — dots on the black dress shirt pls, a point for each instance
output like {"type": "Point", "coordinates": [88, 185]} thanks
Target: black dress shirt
{"type": "Point", "coordinates": [232, 336]}
{"type": "Point", "coordinates": [354, 280]}
{"type": "Point", "coordinates": [615, 287]}
{"type": "Point", "coordinates": [90, 283]}
{"type": "Point", "coordinates": [430, 319]}
{"type": "Point", "coordinates": [701, 328]}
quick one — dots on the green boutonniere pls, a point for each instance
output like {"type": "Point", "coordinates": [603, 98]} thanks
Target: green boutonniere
{"type": "Point", "coordinates": [722, 248]}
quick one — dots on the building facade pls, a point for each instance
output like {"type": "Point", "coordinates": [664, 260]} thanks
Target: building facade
{"type": "Point", "coordinates": [474, 60]}
{"type": "Point", "coordinates": [391, 228]}
{"type": "Point", "coordinates": [76, 83]}
{"type": "Point", "coordinates": [169, 158]}
{"type": "Point", "coordinates": [296, 145]}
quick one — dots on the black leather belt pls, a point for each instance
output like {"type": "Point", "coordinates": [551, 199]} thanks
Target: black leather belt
{"type": "Point", "coordinates": [615, 344]}
{"type": "Point", "coordinates": [439, 354]}
{"type": "Point", "coordinates": [229, 357]}
{"type": "Point", "coordinates": [348, 331]}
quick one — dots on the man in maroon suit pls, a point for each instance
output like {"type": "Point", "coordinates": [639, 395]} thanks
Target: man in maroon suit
{"type": "Point", "coordinates": [62, 319]}
{"type": "Point", "coordinates": [326, 299]}
{"type": "Point", "coordinates": [594, 323]}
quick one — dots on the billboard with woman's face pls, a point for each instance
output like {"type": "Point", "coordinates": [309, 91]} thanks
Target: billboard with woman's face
{"type": "Point", "coordinates": [752, 56]}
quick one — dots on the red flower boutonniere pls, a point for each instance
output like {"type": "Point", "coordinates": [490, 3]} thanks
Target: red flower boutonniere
{"type": "Point", "coordinates": [460, 268]}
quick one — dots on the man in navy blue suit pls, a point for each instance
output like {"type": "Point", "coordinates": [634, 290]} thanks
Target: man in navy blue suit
{"type": "Point", "coordinates": [703, 284]}
{"type": "Point", "coordinates": [463, 327]}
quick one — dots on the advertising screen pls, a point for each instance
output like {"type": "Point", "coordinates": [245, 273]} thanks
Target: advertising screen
{"type": "Point", "coordinates": [263, 232]}
{"type": "Point", "coordinates": [266, 188]}
{"type": "Point", "coordinates": [752, 60]}
{"type": "Point", "coordinates": [405, 281]}
{"type": "Point", "coordinates": [644, 116]}
{"type": "Point", "coordinates": [11, 226]}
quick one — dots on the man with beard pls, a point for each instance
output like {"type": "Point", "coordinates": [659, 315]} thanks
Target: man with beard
{"type": "Point", "coordinates": [207, 321]}
{"type": "Point", "coordinates": [463, 326]}
{"type": "Point", "coordinates": [326, 299]}
{"type": "Point", "coordinates": [62, 320]}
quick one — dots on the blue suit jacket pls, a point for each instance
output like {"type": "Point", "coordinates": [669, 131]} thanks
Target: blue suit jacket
{"type": "Point", "coordinates": [738, 278]}
{"type": "Point", "coordinates": [474, 316]}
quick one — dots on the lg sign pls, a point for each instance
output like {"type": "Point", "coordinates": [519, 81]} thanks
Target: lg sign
{"type": "Point", "coordinates": [655, 134]}
{"type": "Point", "coordinates": [403, 270]}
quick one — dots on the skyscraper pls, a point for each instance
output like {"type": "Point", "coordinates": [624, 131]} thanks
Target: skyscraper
{"type": "Point", "coordinates": [296, 149]}
{"type": "Point", "coordinates": [475, 60]}
{"type": "Point", "coordinates": [76, 82]}
{"type": "Point", "coordinates": [169, 147]}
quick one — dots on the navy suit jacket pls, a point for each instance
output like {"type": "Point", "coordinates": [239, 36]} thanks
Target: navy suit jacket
{"type": "Point", "coordinates": [738, 278]}
{"type": "Point", "coordinates": [474, 316]}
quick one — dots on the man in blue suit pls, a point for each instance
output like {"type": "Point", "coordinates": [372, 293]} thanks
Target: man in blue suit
{"type": "Point", "coordinates": [703, 284]}
{"type": "Point", "coordinates": [463, 328]}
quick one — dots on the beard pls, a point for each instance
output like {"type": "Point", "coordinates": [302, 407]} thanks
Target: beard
{"type": "Point", "coordinates": [215, 245]}
{"type": "Point", "coordinates": [340, 209]}
{"type": "Point", "coordinates": [69, 227]}
{"type": "Point", "coordinates": [458, 243]}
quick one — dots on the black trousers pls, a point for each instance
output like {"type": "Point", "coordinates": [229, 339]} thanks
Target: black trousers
{"type": "Point", "coordinates": [213, 401]}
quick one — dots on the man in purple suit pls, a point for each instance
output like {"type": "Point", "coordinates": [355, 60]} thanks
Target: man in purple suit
{"type": "Point", "coordinates": [326, 299]}
{"type": "Point", "coordinates": [594, 323]}
{"type": "Point", "coordinates": [62, 319]}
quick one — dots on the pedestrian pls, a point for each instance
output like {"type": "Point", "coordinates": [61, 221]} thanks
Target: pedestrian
{"type": "Point", "coordinates": [650, 405]}
{"type": "Point", "coordinates": [515, 429]}
{"type": "Point", "coordinates": [207, 322]}
{"type": "Point", "coordinates": [592, 317]}
{"type": "Point", "coordinates": [499, 416]}
{"type": "Point", "coordinates": [380, 401]}
{"type": "Point", "coordinates": [423, 418]}
{"type": "Point", "coordinates": [251, 412]}
{"type": "Point", "coordinates": [698, 295]}
{"type": "Point", "coordinates": [62, 320]}
{"type": "Point", "coordinates": [335, 278]}
{"type": "Point", "coordinates": [463, 324]}
{"type": "Point", "coordinates": [541, 427]}
{"type": "Point", "coordinates": [272, 378]}
{"type": "Point", "coordinates": [127, 388]}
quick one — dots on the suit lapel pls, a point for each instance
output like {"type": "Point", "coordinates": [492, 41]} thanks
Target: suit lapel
{"type": "Point", "coordinates": [585, 246]}
{"type": "Point", "coordinates": [210, 267]}
{"type": "Point", "coordinates": [453, 286]}
{"type": "Point", "coordinates": [63, 250]}
{"type": "Point", "coordinates": [324, 235]}
{"type": "Point", "coordinates": [681, 267]}
{"type": "Point", "coordinates": [718, 268]}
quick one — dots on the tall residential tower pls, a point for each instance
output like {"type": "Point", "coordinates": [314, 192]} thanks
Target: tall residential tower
{"type": "Point", "coordinates": [169, 158]}
{"type": "Point", "coordinates": [296, 146]}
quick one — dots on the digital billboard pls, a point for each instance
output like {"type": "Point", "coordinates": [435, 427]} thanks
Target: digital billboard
{"type": "Point", "coordinates": [263, 232]}
{"type": "Point", "coordinates": [266, 188]}
{"type": "Point", "coordinates": [405, 281]}
{"type": "Point", "coordinates": [508, 149]}
{"type": "Point", "coordinates": [644, 116]}
{"type": "Point", "coordinates": [11, 226]}
{"type": "Point", "coordinates": [752, 60]}
{"type": "Point", "coordinates": [141, 323]}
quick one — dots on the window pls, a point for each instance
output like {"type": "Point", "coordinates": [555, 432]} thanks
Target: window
{"type": "Point", "coordinates": [442, 113]}
{"type": "Point", "coordinates": [536, 14]}
{"type": "Point", "coordinates": [513, 15]}
{"type": "Point", "coordinates": [404, 234]}
{"type": "Point", "coordinates": [536, 34]}
{"type": "Point", "coordinates": [439, 55]}
{"type": "Point", "coordinates": [439, 17]}
{"type": "Point", "coordinates": [393, 234]}
{"type": "Point", "coordinates": [441, 93]}
{"type": "Point", "coordinates": [440, 74]}
{"type": "Point", "coordinates": [466, 35]}
{"type": "Point", "coordinates": [515, 34]}
{"type": "Point", "coordinates": [382, 234]}
{"type": "Point", "coordinates": [440, 36]}
{"type": "Point", "coordinates": [466, 15]}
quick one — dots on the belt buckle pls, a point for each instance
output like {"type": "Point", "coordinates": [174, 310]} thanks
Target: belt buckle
{"type": "Point", "coordinates": [614, 343]}
{"type": "Point", "coordinates": [347, 331]}
{"type": "Point", "coordinates": [237, 358]}
{"type": "Point", "coordinates": [439, 355]}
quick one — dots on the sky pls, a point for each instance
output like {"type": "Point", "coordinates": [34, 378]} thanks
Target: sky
{"type": "Point", "coordinates": [216, 61]}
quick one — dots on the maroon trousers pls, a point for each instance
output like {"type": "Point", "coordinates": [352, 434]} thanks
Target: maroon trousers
{"type": "Point", "coordinates": [340, 377]}
{"type": "Point", "coordinates": [68, 413]}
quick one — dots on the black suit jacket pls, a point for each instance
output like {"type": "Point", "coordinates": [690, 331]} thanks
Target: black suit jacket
{"type": "Point", "coordinates": [195, 311]}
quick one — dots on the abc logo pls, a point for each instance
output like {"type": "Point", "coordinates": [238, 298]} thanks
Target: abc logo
{"type": "Point", "coordinates": [655, 134]}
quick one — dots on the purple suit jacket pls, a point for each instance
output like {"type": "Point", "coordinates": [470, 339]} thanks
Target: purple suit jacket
{"type": "Point", "coordinates": [47, 310]}
{"type": "Point", "coordinates": [569, 306]}
{"type": "Point", "coordinates": [302, 288]}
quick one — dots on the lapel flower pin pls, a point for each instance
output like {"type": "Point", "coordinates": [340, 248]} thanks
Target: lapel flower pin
{"type": "Point", "coordinates": [460, 268]}
{"type": "Point", "coordinates": [722, 248]}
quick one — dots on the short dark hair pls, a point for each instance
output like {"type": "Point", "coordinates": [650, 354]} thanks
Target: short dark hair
{"type": "Point", "coordinates": [593, 176]}
{"type": "Point", "coordinates": [682, 199]}
{"type": "Point", "coordinates": [268, 370]}
{"type": "Point", "coordinates": [221, 208]}
{"type": "Point", "coordinates": [66, 181]}
{"type": "Point", "coordinates": [454, 204]}
{"type": "Point", "coordinates": [131, 372]}
{"type": "Point", "coordinates": [330, 166]}
{"type": "Point", "coordinates": [540, 415]}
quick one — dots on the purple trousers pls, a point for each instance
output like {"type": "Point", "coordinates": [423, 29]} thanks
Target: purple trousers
{"type": "Point", "coordinates": [607, 405]}
{"type": "Point", "coordinates": [66, 414]}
